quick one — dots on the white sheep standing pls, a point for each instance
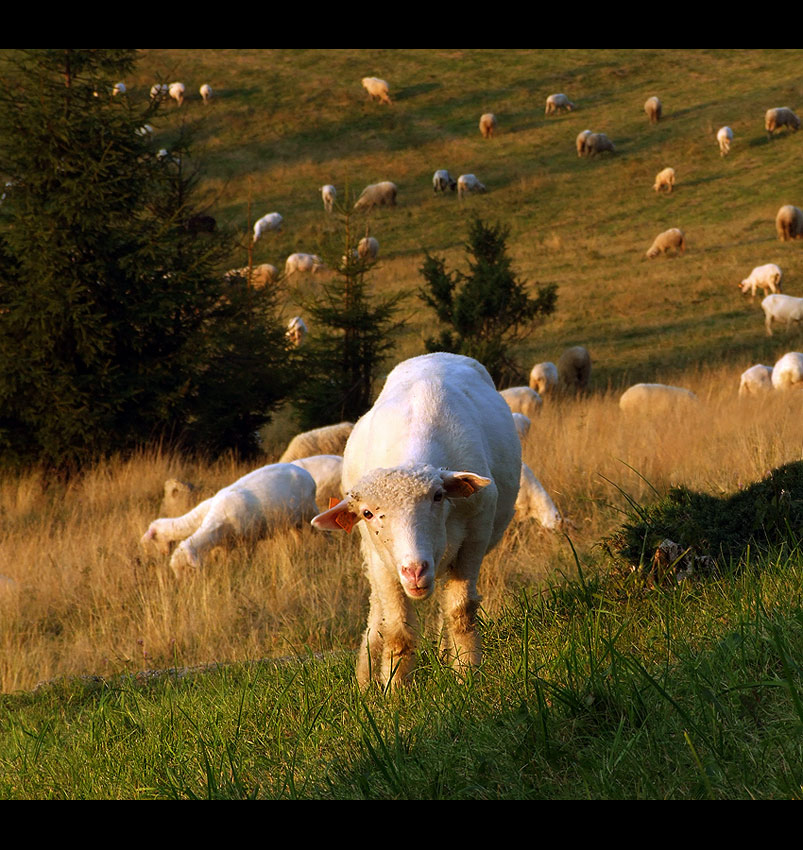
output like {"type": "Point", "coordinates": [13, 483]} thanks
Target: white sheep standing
{"type": "Point", "coordinates": [377, 195]}
{"type": "Point", "coordinates": [368, 248]}
{"type": "Point", "coordinates": [597, 143]}
{"type": "Point", "coordinates": [544, 378]}
{"type": "Point", "coordinates": [755, 381]}
{"type": "Point", "coordinates": [789, 223]}
{"type": "Point", "coordinates": [206, 92]}
{"type": "Point", "coordinates": [269, 222]}
{"type": "Point", "coordinates": [523, 400]}
{"type": "Point", "coordinates": [724, 138]}
{"type": "Point", "coordinates": [787, 374]}
{"type": "Point", "coordinates": [574, 369]}
{"type": "Point", "coordinates": [327, 472]}
{"type": "Point", "coordinates": [656, 399]}
{"type": "Point", "coordinates": [653, 108]}
{"type": "Point", "coordinates": [558, 103]}
{"type": "Point", "coordinates": [767, 278]}
{"type": "Point", "coordinates": [780, 116]}
{"type": "Point", "coordinates": [487, 125]}
{"type": "Point", "coordinates": [376, 88]}
{"type": "Point", "coordinates": [580, 142]}
{"type": "Point", "coordinates": [670, 240]}
{"type": "Point", "coordinates": [783, 309]}
{"type": "Point", "coordinates": [665, 179]}
{"type": "Point", "coordinates": [296, 331]}
{"type": "Point", "coordinates": [327, 440]}
{"type": "Point", "coordinates": [468, 183]}
{"type": "Point", "coordinates": [253, 507]}
{"type": "Point", "coordinates": [176, 91]}
{"type": "Point", "coordinates": [430, 475]}
{"type": "Point", "coordinates": [533, 502]}
{"type": "Point", "coordinates": [300, 262]}
{"type": "Point", "coordinates": [329, 196]}
{"type": "Point", "coordinates": [442, 180]}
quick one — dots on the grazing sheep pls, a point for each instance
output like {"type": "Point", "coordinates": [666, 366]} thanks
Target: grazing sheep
{"type": "Point", "coordinates": [580, 142]}
{"type": "Point", "coordinates": [672, 239]}
{"type": "Point", "coordinates": [781, 116]}
{"type": "Point", "coordinates": [533, 502]}
{"type": "Point", "coordinates": [544, 378]}
{"type": "Point", "coordinates": [376, 88]}
{"type": "Point", "coordinates": [652, 106]}
{"type": "Point", "coordinates": [574, 369]}
{"type": "Point", "coordinates": [328, 440]}
{"type": "Point", "coordinates": [296, 331]}
{"type": "Point", "coordinates": [558, 103]}
{"type": "Point", "coordinates": [523, 424]}
{"type": "Point", "coordinates": [271, 221]}
{"type": "Point", "coordinates": [329, 195]}
{"type": "Point", "coordinates": [377, 195]}
{"type": "Point", "coordinates": [159, 90]}
{"type": "Point", "coordinates": [789, 223]}
{"type": "Point", "coordinates": [261, 275]}
{"type": "Point", "coordinates": [767, 278]}
{"type": "Point", "coordinates": [255, 506]}
{"type": "Point", "coordinates": [300, 262]}
{"type": "Point", "coordinates": [176, 91]}
{"type": "Point", "coordinates": [784, 309]}
{"type": "Point", "coordinates": [468, 183]}
{"type": "Point", "coordinates": [665, 180]}
{"type": "Point", "coordinates": [206, 92]}
{"type": "Point", "coordinates": [488, 125]}
{"type": "Point", "coordinates": [327, 472]}
{"type": "Point", "coordinates": [755, 381]}
{"type": "Point", "coordinates": [431, 475]}
{"type": "Point", "coordinates": [724, 137]}
{"type": "Point", "coordinates": [787, 374]}
{"type": "Point", "coordinates": [368, 248]}
{"type": "Point", "coordinates": [598, 143]}
{"type": "Point", "coordinates": [655, 399]}
{"type": "Point", "coordinates": [523, 400]}
{"type": "Point", "coordinates": [119, 88]}
{"type": "Point", "coordinates": [442, 180]}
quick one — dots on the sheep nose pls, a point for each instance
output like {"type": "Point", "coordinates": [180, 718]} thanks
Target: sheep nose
{"type": "Point", "coordinates": [414, 573]}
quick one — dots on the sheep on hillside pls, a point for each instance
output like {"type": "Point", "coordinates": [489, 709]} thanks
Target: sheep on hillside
{"type": "Point", "coordinates": [329, 195]}
{"type": "Point", "coordinates": [649, 399]}
{"type": "Point", "coordinates": [377, 195]}
{"type": "Point", "coordinates": [574, 369]}
{"type": "Point", "coordinates": [544, 378]}
{"type": "Point", "coordinates": [783, 309]}
{"type": "Point", "coordinates": [580, 142]}
{"type": "Point", "coordinates": [206, 92]}
{"type": "Point", "coordinates": [376, 88]}
{"type": "Point", "coordinates": [468, 183]}
{"type": "Point", "coordinates": [176, 91]}
{"type": "Point", "coordinates": [533, 502]}
{"type": "Point", "coordinates": [523, 400]}
{"type": "Point", "coordinates": [787, 374]}
{"type": "Point", "coordinates": [159, 90]}
{"type": "Point", "coordinates": [670, 240]}
{"type": "Point", "coordinates": [767, 278]}
{"type": "Point", "coordinates": [328, 440]}
{"type": "Point", "coordinates": [780, 116]}
{"type": "Point", "coordinates": [326, 471]}
{"type": "Point", "coordinates": [724, 138]}
{"type": "Point", "coordinates": [296, 331]}
{"type": "Point", "coordinates": [300, 262]}
{"type": "Point", "coordinates": [665, 180]}
{"type": "Point", "coordinates": [653, 108]}
{"type": "Point", "coordinates": [119, 88]}
{"type": "Point", "coordinates": [442, 180]}
{"type": "Point", "coordinates": [597, 143]}
{"type": "Point", "coordinates": [487, 125]}
{"type": "Point", "coordinates": [789, 223]}
{"type": "Point", "coordinates": [755, 381]}
{"type": "Point", "coordinates": [368, 248]}
{"type": "Point", "coordinates": [271, 221]}
{"type": "Point", "coordinates": [430, 475]}
{"type": "Point", "coordinates": [558, 103]}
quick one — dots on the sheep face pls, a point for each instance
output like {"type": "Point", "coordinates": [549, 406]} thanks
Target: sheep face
{"type": "Point", "coordinates": [404, 512]}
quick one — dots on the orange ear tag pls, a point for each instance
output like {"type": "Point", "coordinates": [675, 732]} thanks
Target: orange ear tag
{"type": "Point", "coordinates": [333, 501]}
{"type": "Point", "coordinates": [346, 520]}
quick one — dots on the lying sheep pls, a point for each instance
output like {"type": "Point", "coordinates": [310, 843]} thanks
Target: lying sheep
{"type": "Point", "coordinates": [523, 400]}
{"type": "Point", "coordinates": [468, 183]}
{"type": "Point", "coordinates": [767, 278]}
{"type": "Point", "coordinates": [724, 137]}
{"type": "Point", "coordinates": [368, 248]}
{"type": "Point", "coordinates": [544, 378]}
{"type": "Point", "coordinates": [328, 440]}
{"type": "Point", "coordinates": [329, 195]}
{"type": "Point", "coordinates": [789, 223]}
{"type": "Point", "coordinates": [296, 331]}
{"type": "Point", "coordinates": [377, 195]}
{"type": "Point", "coordinates": [271, 221]}
{"type": "Point", "coordinates": [665, 180]}
{"type": "Point", "coordinates": [787, 374]}
{"type": "Point", "coordinates": [255, 506]}
{"type": "Point", "coordinates": [300, 262]}
{"type": "Point", "coordinates": [574, 369]}
{"type": "Point", "coordinates": [781, 116]}
{"type": "Point", "coordinates": [580, 142]}
{"type": "Point", "coordinates": [558, 103]}
{"type": "Point", "coordinates": [176, 91]}
{"type": "Point", "coordinates": [597, 143]}
{"type": "Point", "coordinates": [670, 240]}
{"type": "Point", "coordinates": [206, 92]}
{"type": "Point", "coordinates": [326, 471]}
{"type": "Point", "coordinates": [755, 381]}
{"type": "Point", "coordinates": [653, 108]}
{"type": "Point", "coordinates": [784, 309]}
{"type": "Point", "coordinates": [533, 502]}
{"type": "Point", "coordinates": [655, 399]}
{"type": "Point", "coordinates": [376, 88]}
{"type": "Point", "coordinates": [442, 180]}
{"type": "Point", "coordinates": [488, 125]}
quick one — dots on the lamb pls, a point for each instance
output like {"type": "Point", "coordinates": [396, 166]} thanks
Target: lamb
{"type": "Point", "coordinates": [300, 262]}
{"type": "Point", "coordinates": [431, 475]}
{"type": "Point", "coordinates": [442, 180]}
{"type": "Point", "coordinates": [206, 92]}
{"type": "Point", "coordinates": [767, 278]}
{"type": "Point", "coordinates": [655, 399]}
{"type": "Point", "coordinates": [787, 374]}
{"type": "Point", "coordinates": [488, 125]}
{"type": "Point", "coordinates": [329, 195]}
{"type": "Point", "coordinates": [789, 223]}
{"type": "Point", "coordinates": [784, 309]}
{"type": "Point", "coordinates": [755, 381]}
{"type": "Point", "coordinates": [665, 180]}
{"type": "Point", "coordinates": [781, 116]}
{"type": "Point", "coordinates": [368, 248]}
{"type": "Point", "coordinates": [176, 91]}
{"type": "Point", "coordinates": [376, 88]}
{"type": "Point", "coordinates": [468, 183]}
{"type": "Point", "coordinates": [580, 142]}
{"type": "Point", "coordinates": [724, 137]}
{"type": "Point", "coordinates": [558, 103]}
{"type": "Point", "coordinates": [296, 331]}
{"type": "Point", "coordinates": [672, 239]}
{"type": "Point", "coordinates": [523, 400]}
{"type": "Point", "coordinates": [544, 378]}
{"type": "Point", "coordinates": [327, 471]}
{"type": "Point", "coordinates": [328, 440]}
{"type": "Point", "coordinates": [652, 106]}
{"type": "Point", "coordinates": [598, 143]}
{"type": "Point", "coordinates": [255, 506]}
{"type": "Point", "coordinates": [533, 502]}
{"type": "Point", "coordinates": [574, 369]}
{"type": "Point", "coordinates": [377, 195]}
{"type": "Point", "coordinates": [271, 221]}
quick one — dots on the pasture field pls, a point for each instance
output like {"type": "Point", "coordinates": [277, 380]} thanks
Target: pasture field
{"type": "Point", "coordinates": [592, 686]}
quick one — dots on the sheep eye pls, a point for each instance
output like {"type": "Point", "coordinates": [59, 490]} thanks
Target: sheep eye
{"type": "Point", "coordinates": [367, 514]}
{"type": "Point", "coordinates": [439, 496]}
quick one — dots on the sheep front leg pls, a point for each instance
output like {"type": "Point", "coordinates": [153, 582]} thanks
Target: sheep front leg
{"type": "Point", "coordinates": [459, 604]}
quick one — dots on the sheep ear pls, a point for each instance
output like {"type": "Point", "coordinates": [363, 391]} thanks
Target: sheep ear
{"type": "Point", "coordinates": [338, 518]}
{"type": "Point", "coordinates": [461, 485]}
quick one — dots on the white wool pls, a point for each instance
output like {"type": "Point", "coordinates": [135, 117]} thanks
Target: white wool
{"type": "Point", "coordinates": [787, 374]}
{"type": "Point", "coordinates": [783, 309]}
{"type": "Point", "coordinates": [544, 378]}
